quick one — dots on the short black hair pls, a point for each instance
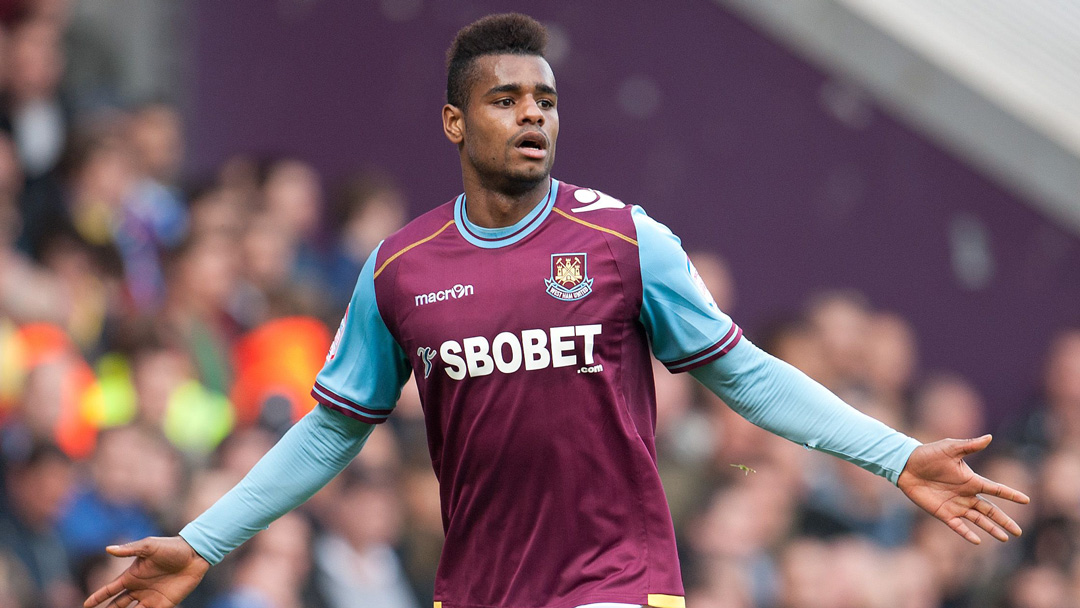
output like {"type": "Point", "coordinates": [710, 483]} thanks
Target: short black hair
{"type": "Point", "coordinates": [507, 33]}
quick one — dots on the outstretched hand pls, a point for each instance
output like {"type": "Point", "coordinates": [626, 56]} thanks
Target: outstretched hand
{"type": "Point", "coordinates": [938, 480]}
{"type": "Point", "coordinates": [164, 572]}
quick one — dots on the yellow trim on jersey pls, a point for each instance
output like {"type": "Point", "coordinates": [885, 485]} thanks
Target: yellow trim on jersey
{"type": "Point", "coordinates": [438, 604]}
{"type": "Point", "coordinates": [659, 600]}
{"type": "Point", "coordinates": [398, 254]}
{"type": "Point", "coordinates": [601, 229]}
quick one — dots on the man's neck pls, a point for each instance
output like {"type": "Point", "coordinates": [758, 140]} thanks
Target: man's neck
{"type": "Point", "coordinates": [491, 208]}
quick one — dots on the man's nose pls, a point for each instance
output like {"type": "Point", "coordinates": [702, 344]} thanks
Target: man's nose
{"type": "Point", "coordinates": [531, 112]}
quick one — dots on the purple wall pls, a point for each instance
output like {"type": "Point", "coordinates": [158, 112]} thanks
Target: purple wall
{"type": "Point", "coordinates": [737, 144]}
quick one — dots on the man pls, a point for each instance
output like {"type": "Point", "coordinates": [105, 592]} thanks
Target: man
{"type": "Point", "coordinates": [526, 309]}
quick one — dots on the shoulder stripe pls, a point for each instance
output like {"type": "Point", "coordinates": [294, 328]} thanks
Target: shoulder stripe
{"type": "Point", "coordinates": [417, 243]}
{"type": "Point", "coordinates": [708, 355]}
{"type": "Point", "coordinates": [595, 227]}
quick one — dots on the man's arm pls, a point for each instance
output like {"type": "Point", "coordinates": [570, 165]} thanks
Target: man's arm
{"type": "Point", "coordinates": [166, 570]}
{"type": "Point", "coordinates": [688, 332]}
{"type": "Point", "coordinates": [312, 453]}
{"type": "Point", "coordinates": [779, 398]}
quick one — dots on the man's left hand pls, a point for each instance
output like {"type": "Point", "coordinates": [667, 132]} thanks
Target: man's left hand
{"type": "Point", "coordinates": [938, 480]}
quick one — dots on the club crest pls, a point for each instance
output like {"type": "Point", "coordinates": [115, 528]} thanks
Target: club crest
{"type": "Point", "coordinates": [569, 277]}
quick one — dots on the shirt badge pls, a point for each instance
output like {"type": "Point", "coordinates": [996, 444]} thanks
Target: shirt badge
{"type": "Point", "coordinates": [569, 277]}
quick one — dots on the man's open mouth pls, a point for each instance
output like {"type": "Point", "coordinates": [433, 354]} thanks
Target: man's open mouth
{"type": "Point", "coordinates": [533, 144]}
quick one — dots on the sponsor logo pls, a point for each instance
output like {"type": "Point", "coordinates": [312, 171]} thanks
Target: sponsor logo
{"type": "Point", "coordinates": [532, 349]}
{"type": "Point", "coordinates": [426, 354]}
{"type": "Point", "coordinates": [569, 278]}
{"type": "Point", "coordinates": [454, 293]}
{"type": "Point", "coordinates": [337, 337]}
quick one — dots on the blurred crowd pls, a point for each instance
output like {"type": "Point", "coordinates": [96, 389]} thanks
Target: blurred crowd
{"type": "Point", "coordinates": [158, 334]}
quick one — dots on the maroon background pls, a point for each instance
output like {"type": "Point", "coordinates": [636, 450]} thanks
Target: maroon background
{"type": "Point", "coordinates": [740, 157]}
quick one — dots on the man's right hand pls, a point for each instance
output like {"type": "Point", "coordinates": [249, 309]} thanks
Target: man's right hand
{"type": "Point", "coordinates": [164, 572]}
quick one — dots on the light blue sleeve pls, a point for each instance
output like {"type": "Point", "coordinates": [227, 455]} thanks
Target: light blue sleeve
{"type": "Point", "coordinates": [310, 454]}
{"type": "Point", "coordinates": [366, 368]}
{"type": "Point", "coordinates": [779, 398]}
{"type": "Point", "coordinates": [689, 333]}
{"type": "Point", "coordinates": [685, 327]}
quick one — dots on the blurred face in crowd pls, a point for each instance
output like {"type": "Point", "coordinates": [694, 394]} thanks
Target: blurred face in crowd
{"type": "Point", "coordinates": [1058, 495]}
{"type": "Point", "coordinates": [117, 464]}
{"type": "Point", "coordinates": [806, 576]}
{"type": "Point", "coordinates": [43, 396]}
{"type": "Point", "coordinates": [1063, 372]}
{"type": "Point", "coordinates": [108, 174]}
{"type": "Point", "coordinates": [1039, 587]}
{"type": "Point", "coordinates": [218, 211]}
{"type": "Point", "coordinates": [279, 561]}
{"type": "Point", "coordinates": [369, 515]}
{"type": "Point", "coordinates": [891, 355]}
{"type": "Point", "coordinates": [267, 257]}
{"type": "Point", "coordinates": [293, 197]}
{"type": "Point", "coordinates": [382, 214]}
{"type": "Point", "coordinates": [36, 60]}
{"type": "Point", "coordinates": [157, 139]}
{"type": "Point", "coordinates": [842, 323]}
{"type": "Point", "coordinates": [39, 490]}
{"type": "Point", "coordinates": [157, 373]}
{"type": "Point", "coordinates": [949, 407]}
{"type": "Point", "coordinates": [207, 272]}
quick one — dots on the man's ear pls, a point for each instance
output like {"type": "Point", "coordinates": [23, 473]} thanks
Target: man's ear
{"type": "Point", "coordinates": [453, 124]}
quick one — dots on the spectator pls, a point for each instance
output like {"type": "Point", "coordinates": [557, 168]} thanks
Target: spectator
{"type": "Point", "coordinates": [38, 117]}
{"type": "Point", "coordinates": [948, 406]}
{"type": "Point", "coordinates": [368, 208]}
{"type": "Point", "coordinates": [36, 484]}
{"type": "Point", "coordinates": [356, 561]}
{"type": "Point", "coordinates": [1055, 423]}
{"type": "Point", "coordinates": [273, 571]}
{"type": "Point", "coordinates": [110, 510]}
{"type": "Point", "coordinates": [841, 321]}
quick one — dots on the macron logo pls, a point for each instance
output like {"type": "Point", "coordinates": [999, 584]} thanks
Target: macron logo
{"type": "Point", "coordinates": [454, 293]}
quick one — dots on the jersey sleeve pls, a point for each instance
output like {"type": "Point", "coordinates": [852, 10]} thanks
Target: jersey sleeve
{"type": "Point", "coordinates": [306, 458]}
{"type": "Point", "coordinates": [781, 399]}
{"type": "Point", "coordinates": [685, 327]}
{"type": "Point", "coordinates": [365, 368]}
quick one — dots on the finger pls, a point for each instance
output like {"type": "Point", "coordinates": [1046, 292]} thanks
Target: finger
{"type": "Point", "coordinates": [123, 600]}
{"type": "Point", "coordinates": [998, 516]}
{"type": "Point", "coordinates": [986, 523]}
{"type": "Point", "coordinates": [993, 488]}
{"type": "Point", "coordinates": [126, 550]}
{"type": "Point", "coordinates": [108, 590]}
{"type": "Point", "coordinates": [968, 447]}
{"type": "Point", "coordinates": [957, 524]}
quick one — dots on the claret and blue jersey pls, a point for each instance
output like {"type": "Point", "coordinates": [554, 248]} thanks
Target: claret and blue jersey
{"type": "Point", "coordinates": [531, 348]}
{"type": "Point", "coordinates": [530, 345]}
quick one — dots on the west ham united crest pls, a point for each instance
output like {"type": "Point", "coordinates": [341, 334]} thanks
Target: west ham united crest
{"type": "Point", "coordinates": [569, 277]}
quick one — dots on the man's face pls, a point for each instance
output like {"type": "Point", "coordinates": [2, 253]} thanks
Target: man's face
{"type": "Point", "coordinates": [508, 128]}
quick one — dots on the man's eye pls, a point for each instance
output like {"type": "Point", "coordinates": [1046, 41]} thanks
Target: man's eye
{"type": "Point", "coordinates": [547, 104]}
{"type": "Point", "coordinates": [506, 103]}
